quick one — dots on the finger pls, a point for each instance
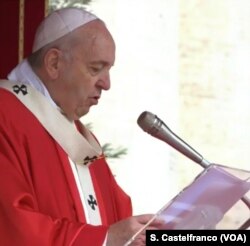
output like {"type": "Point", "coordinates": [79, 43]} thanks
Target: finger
{"type": "Point", "coordinates": [158, 222]}
{"type": "Point", "coordinates": [144, 218]}
{"type": "Point", "coordinates": [139, 241]}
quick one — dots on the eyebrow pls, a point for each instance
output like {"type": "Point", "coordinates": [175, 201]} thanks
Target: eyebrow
{"type": "Point", "coordinates": [105, 63]}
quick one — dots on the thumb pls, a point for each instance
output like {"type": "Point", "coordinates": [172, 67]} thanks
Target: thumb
{"type": "Point", "coordinates": [144, 218]}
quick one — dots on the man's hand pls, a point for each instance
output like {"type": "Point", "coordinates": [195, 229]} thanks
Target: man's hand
{"type": "Point", "coordinates": [120, 232]}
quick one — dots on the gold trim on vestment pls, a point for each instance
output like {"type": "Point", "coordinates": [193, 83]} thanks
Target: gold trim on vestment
{"type": "Point", "coordinates": [46, 7]}
{"type": "Point", "coordinates": [21, 30]}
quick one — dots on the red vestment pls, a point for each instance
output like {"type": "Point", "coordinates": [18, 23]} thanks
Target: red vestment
{"type": "Point", "coordinates": [39, 200]}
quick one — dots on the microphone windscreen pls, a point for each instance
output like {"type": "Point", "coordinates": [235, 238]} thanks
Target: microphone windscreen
{"type": "Point", "coordinates": [146, 121]}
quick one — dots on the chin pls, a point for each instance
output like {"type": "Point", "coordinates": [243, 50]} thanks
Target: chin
{"type": "Point", "coordinates": [73, 116]}
{"type": "Point", "coordinates": [81, 112]}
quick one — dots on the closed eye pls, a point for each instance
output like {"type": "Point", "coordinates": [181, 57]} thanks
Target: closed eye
{"type": "Point", "coordinates": [96, 69]}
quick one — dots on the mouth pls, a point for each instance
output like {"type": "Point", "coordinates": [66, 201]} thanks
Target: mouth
{"type": "Point", "coordinates": [94, 100]}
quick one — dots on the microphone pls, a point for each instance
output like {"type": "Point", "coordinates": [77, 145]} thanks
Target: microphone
{"type": "Point", "coordinates": [154, 126]}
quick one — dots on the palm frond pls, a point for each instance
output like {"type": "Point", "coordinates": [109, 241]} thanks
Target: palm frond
{"type": "Point", "coordinates": [113, 153]}
{"type": "Point", "coordinates": [58, 4]}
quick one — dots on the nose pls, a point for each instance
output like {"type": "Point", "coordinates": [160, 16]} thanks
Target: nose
{"type": "Point", "coordinates": [104, 82]}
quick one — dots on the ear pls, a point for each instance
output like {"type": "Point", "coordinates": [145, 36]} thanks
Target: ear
{"type": "Point", "coordinates": [52, 62]}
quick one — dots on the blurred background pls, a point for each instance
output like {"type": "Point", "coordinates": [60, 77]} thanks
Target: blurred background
{"type": "Point", "coordinates": [187, 62]}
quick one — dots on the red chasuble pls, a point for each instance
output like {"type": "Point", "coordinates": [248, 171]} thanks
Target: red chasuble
{"type": "Point", "coordinates": [39, 199]}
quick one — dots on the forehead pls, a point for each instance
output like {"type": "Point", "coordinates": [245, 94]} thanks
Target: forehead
{"type": "Point", "coordinates": [96, 42]}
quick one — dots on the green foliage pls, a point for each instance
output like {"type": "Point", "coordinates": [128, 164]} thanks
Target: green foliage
{"type": "Point", "coordinates": [109, 151]}
{"type": "Point", "coordinates": [58, 4]}
{"type": "Point", "coordinates": [113, 153]}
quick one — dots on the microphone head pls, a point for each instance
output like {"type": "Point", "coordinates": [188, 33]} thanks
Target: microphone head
{"type": "Point", "coordinates": [146, 121]}
{"type": "Point", "coordinates": [154, 126]}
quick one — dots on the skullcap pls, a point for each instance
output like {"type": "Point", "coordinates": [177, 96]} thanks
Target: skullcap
{"type": "Point", "coordinates": [59, 23]}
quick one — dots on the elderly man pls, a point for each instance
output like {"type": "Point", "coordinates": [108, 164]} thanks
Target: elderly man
{"type": "Point", "coordinates": [55, 186]}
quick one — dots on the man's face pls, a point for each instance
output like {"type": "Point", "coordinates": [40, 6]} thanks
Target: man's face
{"type": "Point", "coordinates": [86, 73]}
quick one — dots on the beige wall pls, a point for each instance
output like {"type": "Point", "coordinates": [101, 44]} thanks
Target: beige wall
{"type": "Point", "coordinates": [215, 79]}
{"type": "Point", "coordinates": [215, 82]}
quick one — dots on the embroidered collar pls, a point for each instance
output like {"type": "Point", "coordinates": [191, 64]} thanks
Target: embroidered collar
{"type": "Point", "coordinates": [24, 74]}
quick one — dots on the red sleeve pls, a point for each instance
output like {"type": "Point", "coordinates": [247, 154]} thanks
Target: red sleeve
{"type": "Point", "coordinates": [21, 222]}
{"type": "Point", "coordinates": [122, 201]}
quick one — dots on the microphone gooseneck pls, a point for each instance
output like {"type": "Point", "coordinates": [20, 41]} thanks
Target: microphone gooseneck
{"type": "Point", "coordinates": [154, 126]}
